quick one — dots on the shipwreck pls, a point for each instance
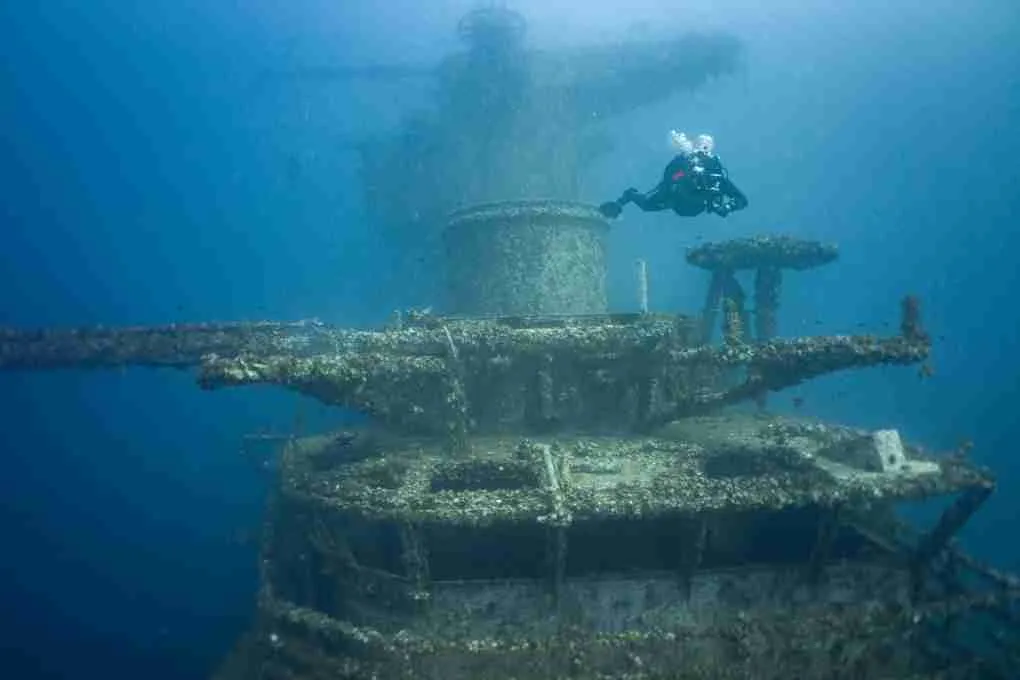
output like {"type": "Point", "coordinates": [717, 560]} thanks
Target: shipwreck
{"type": "Point", "coordinates": [547, 489]}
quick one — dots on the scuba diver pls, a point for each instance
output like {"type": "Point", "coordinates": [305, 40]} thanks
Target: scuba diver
{"type": "Point", "coordinates": [694, 182]}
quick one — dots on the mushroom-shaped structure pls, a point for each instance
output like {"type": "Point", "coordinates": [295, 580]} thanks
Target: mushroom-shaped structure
{"type": "Point", "coordinates": [768, 256]}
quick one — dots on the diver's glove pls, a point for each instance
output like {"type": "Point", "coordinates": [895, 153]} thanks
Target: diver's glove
{"type": "Point", "coordinates": [610, 209]}
{"type": "Point", "coordinates": [724, 205]}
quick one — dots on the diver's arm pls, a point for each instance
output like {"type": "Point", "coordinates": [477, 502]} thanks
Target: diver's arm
{"type": "Point", "coordinates": [655, 200]}
{"type": "Point", "coordinates": [652, 201]}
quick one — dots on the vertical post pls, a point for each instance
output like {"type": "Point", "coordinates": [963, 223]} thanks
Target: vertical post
{"type": "Point", "coordinates": [540, 412]}
{"type": "Point", "coordinates": [826, 532]}
{"type": "Point", "coordinates": [649, 403]}
{"type": "Point", "coordinates": [415, 561]}
{"type": "Point", "coordinates": [910, 322]}
{"type": "Point", "coordinates": [553, 465]}
{"type": "Point", "coordinates": [456, 401]}
{"type": "Point", "coordinates": [735, 305]}
{"type": "Point", "coordinates": [642, 286]}
{"type": "Point", "coordinates": [733, 327]}
{"type": "Point", "coordinates": [734, 311]}
{"type": "Point", "coordinates": [712, 301]}
{"type": "Point", "coordinates": [696, 531]}
{"type": "Point", "coordinates": [767, 282]}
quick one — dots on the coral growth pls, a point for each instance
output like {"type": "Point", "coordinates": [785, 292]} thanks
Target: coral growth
{"type": "Point", "coordinates": [910, 323]}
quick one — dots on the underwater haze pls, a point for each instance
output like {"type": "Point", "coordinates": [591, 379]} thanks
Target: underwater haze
{"type": "Point", "coordinates": [190, 160]}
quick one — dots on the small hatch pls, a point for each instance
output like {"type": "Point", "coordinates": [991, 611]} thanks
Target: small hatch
{"type": "Point", "coordinates": [485, 475]}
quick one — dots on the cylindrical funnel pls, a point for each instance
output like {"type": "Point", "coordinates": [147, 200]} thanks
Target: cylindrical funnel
{"type": "Point", "coordinates": [526, 258]}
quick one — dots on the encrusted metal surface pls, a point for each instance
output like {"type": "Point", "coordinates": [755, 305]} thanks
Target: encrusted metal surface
{"type": "Point", "coordinates": [178, 345]}
{"type": "Point", "coordinates": [760, 465]}
{"type": "Point", "coordinates": [503, 210]}
{"type": "Point", "coordinates": [781, 252]}
{"type": "Point", "coordinates": [487, 375]}
{"type": "Point", "coordinates": [336, 601]}
{"type": "Point", "coordinates": [184, 345]}
{"type": "Point", "coordinates": [526, 257]}
{"type": "Point", "coordinates": [862, 638]}
{"type": "Point", "coordinates": [592, 377]}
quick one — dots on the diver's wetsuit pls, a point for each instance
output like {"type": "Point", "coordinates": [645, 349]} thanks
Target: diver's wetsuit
{"type": "Point", "coordinates": [691, 184]}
